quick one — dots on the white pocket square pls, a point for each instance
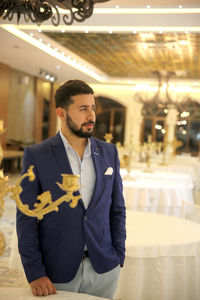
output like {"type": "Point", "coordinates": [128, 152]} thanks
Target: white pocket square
{"type": "Point", "coordinates": [109, 171]}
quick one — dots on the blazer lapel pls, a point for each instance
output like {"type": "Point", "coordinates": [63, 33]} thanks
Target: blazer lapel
{"type": "Point", "coordinates": [60, 154]}
{"type": "Point", "coordinates": [100, 167]}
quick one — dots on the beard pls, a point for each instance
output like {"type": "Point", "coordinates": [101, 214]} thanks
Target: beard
{"type": "Point", "coordinates": [79, 131]}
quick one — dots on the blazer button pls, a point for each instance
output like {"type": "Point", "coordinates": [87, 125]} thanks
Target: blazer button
{"type": "Point", "coordinates": [85, 218]}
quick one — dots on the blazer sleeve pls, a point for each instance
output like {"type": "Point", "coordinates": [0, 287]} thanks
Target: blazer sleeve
{"type": "Point", "coordinates": [118, 213]}
{"type": "Point", "coordinates": [27, 227]}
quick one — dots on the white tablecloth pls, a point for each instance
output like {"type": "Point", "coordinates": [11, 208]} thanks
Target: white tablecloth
{"type": "Point", "coordinates": [25, 294]}
{"type": "Point", "coordinates": [162, 259]}
{"type": "Point", "coordinates": [184, 164]}
{"type": "Point", "coordinates": [160, 192]}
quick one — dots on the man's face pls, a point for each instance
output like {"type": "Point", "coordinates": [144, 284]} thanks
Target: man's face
{"type": "Point", "coordinates": [80, 116]}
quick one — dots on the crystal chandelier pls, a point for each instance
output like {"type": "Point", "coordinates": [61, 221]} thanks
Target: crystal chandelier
{"type": "Point", "coordinates": [39, 11]}
{"type": "Point", "coordinates": [165, 94]}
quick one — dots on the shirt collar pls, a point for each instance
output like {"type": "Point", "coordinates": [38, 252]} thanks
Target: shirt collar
{"type": "Point", "coordinates": [67, 145]}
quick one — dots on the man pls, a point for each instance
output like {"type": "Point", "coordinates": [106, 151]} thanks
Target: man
{"type": "Point", "coordinates": [75, 249]}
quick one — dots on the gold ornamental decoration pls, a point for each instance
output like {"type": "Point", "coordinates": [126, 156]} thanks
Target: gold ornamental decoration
{"type": "Point", "coordinates": [43, 204]}
{"type": "Point", "coordinates": [108, 137]}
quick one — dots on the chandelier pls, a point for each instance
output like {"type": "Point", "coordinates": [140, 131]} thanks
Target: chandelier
{"type": "Point", "coordinates": [164, 94]}
{"type": "Point", "coordinates": [39, 11]}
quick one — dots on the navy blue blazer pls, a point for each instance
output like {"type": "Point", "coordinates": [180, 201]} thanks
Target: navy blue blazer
{"type": "Point", "coordinates": [54, 246]}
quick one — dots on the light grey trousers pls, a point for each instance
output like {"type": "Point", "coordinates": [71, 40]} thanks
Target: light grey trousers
{"type": "Point", "coordinates": [87, 281]}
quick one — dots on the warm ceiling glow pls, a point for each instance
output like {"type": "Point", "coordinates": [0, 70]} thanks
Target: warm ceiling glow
{"type": "Point", "coordinates": [79, 65]}
{"type": "Point", "coordinates": [114, 29]}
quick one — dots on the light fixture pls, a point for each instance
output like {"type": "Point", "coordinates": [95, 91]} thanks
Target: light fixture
{"type": "Point", "coordinates": [39, 11]}
{"type": "Point", "coordinates": [47, 75]}
{"type": "Point", "coordinates": [165, 95]}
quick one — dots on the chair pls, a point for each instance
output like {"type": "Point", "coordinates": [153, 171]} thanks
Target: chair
{"type": "Point", "coordinates": [190, 212]}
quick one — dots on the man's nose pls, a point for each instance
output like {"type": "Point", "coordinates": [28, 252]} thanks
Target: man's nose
{"type": "Point", "coordinates": [91, 115]}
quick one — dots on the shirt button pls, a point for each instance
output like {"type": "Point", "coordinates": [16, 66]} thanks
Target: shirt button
{"type": "Point", "coordinates": [85, 218]}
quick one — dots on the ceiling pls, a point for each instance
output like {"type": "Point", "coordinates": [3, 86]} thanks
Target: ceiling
{"type": "Point", "coordinates": [136, 55]}
{"type": "Point", "coordinates": [112, 46]}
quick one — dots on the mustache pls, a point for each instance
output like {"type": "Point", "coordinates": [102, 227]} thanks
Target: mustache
{"type": "Point", "coordinates": [87, 123]}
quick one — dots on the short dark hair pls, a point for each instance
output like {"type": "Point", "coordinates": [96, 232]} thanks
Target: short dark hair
{"type": "Point", "coordinates": [71, 88]}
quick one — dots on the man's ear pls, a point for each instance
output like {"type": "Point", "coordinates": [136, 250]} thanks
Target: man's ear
{"type": "Point", "coordinates": [61, 113]}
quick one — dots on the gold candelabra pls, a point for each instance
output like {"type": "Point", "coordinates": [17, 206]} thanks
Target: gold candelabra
{"type": "Point", "coordinates": [44, 203]}
{"type": "Point", "coordinates": [149, 148]}
{"type": "Point", "coordinates": [126, 158]}
{"type": "Point", "coordinates": [108, 137]}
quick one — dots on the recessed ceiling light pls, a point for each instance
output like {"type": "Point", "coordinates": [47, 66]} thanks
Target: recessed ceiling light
{"type": "Point", "coordinates": [186, 32]}
{"type": "Point", "coordinates": [58, 67]}
{"type": "Point", "coordinates": [49, 45]}
{"type": "Point", "coordinates": [117, 6]}
{"type": "Point", "coordinates": [180, 6]}
{"type": "Point", "coordinates": [134, 31]}
{"type": "Point", "coordinates": [86, 31]}
{"type": "Point", "coordinates": [110, 31]}
{"type": "Point", "coordinates": [39, 30]}
{"type": "Point", "coordinates": [148, 6]}
{"type": "Point", "coordinates": [62, 30]}
{"type": "Point", "coordinates": [40, 39]}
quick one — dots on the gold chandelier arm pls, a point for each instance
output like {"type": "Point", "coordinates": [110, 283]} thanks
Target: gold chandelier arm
{"type": "Point", "coordinates": [4, 190]}
{"type": "Point", "coordinates": [74, 201]}
{"type": "Point", "coordinates": [1, 204]}
{"type": "Point", "coordinates": [45, 203]}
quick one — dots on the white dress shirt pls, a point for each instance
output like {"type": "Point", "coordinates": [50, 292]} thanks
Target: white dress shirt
{"type": "Point", "coordinates": [84, 168]}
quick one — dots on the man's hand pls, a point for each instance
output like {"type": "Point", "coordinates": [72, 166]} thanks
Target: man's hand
{"type": "Point", "coordinates": [42, 287]}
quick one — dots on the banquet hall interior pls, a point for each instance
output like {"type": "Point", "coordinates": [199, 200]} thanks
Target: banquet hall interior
{"type": "Point", "coordinates": [142, 59]}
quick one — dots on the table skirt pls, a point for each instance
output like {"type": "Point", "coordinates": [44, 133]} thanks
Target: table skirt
{"type": "Point", "coordinates": [160, 278]}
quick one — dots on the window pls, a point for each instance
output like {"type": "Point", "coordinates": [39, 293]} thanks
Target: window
{"type": "Point", "coordinates": [154, 116]}
{"type": "Point", "coordinates": [188, 127]}
{"type": "Point", "coordinates": [110, 118]}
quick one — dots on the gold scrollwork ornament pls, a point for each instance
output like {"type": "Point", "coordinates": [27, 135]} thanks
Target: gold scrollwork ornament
{"type": "Point", "coordinates": [3, 192]}
{"type": "Point", "coordinates": [45, 205]}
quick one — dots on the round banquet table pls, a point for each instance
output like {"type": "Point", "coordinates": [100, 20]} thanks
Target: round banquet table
{"type": "Point", "coordinates": [25, 294]}
{"type": "Point", "coordinates": [162, 259]}
{"type": "Point", "coordinates": [157, 192]}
